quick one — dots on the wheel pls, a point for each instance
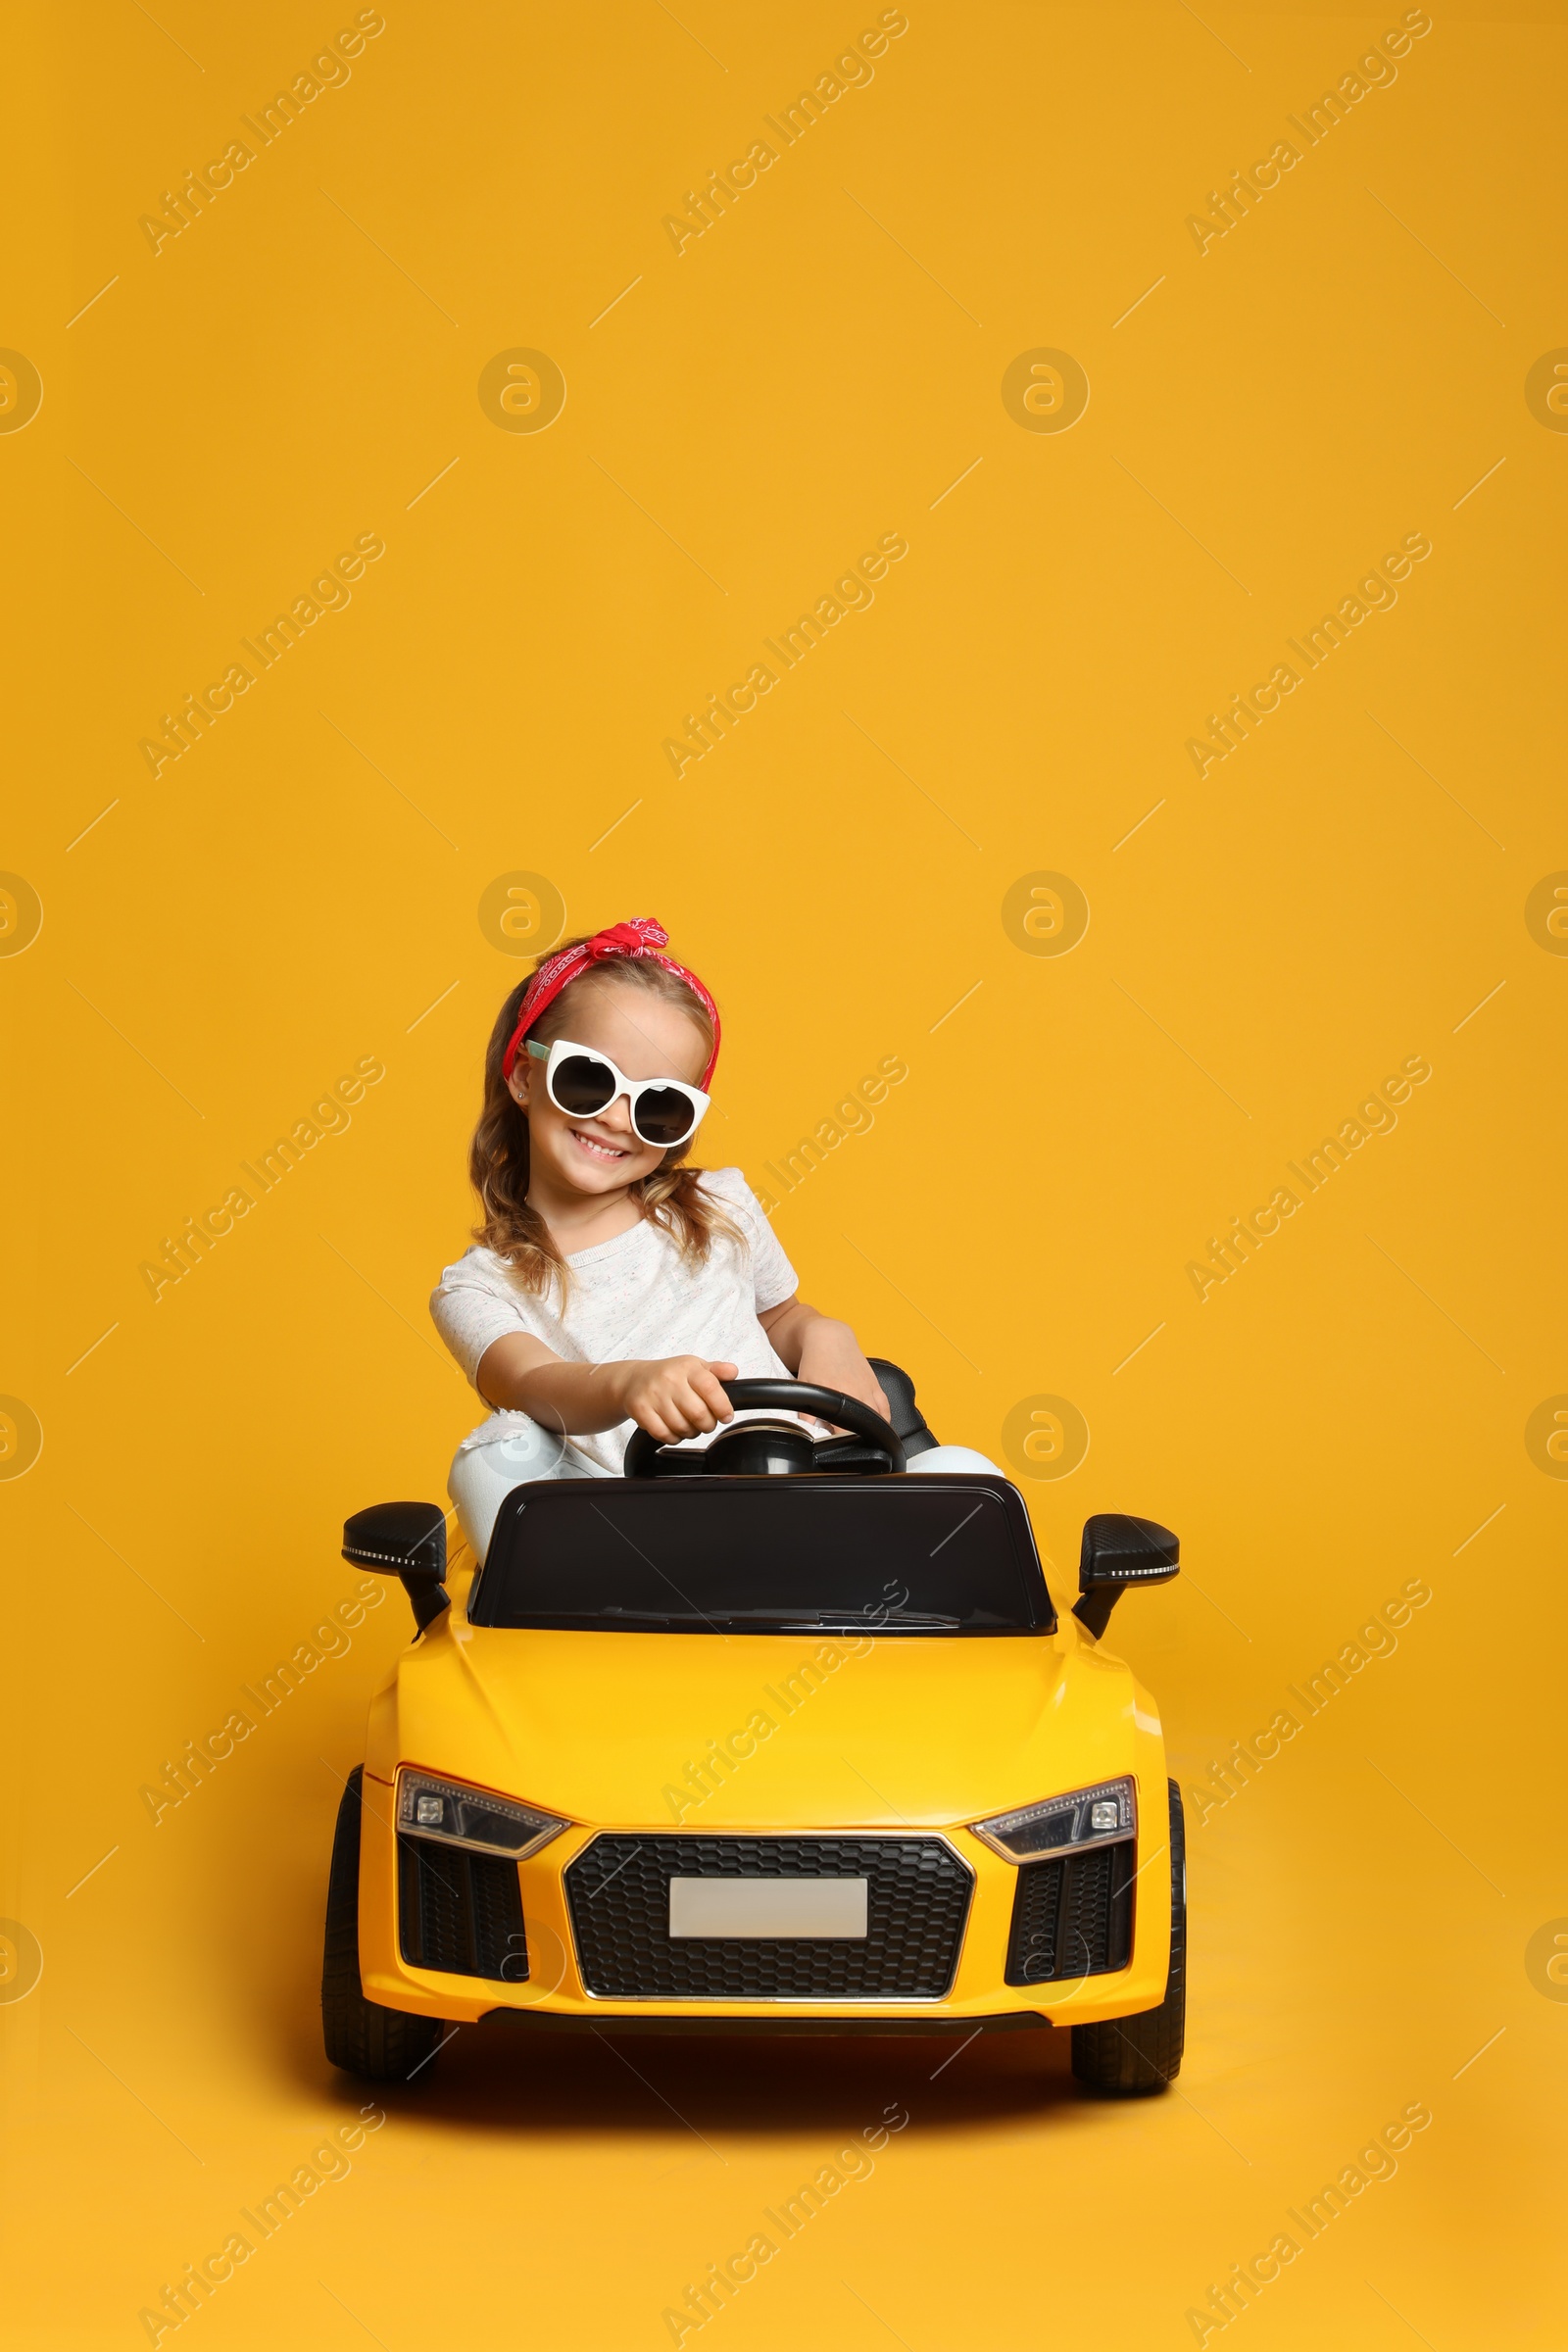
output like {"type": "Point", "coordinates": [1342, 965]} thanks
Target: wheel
{"type": "Point", "coordinates": [1128, 2057]}
{"type": "Point", "coordinates": [744, 1447]}
{"type": "Point", "coordinates": [385, 2046]}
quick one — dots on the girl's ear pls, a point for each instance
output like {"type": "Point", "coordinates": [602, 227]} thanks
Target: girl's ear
{"type": "Point", "coordinates": [518, 1082]}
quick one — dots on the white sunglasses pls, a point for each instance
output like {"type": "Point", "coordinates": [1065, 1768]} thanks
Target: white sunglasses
{"type": "Point", "coordinates": [583, 1082]}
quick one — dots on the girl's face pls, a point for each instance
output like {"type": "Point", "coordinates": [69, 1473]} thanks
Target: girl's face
{"type": "Point", "coordinates": [644, 1037]}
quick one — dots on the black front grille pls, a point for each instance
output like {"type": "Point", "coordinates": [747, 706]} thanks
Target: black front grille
{"type": "Point", "coordinates": [459, 1911]}
{"type": "Point", "coordinates": [917, 1900]}
{"type": "Point", "coordinates": [1072, 1917]}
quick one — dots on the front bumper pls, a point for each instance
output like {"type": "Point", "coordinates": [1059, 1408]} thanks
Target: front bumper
{"type": "Point", "coordinates": [556, 1991]}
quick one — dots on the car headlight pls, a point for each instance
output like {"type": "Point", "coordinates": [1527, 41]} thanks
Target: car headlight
{"type": "Point", "coordinates": [471, 1818]}
{"type": "Point", "coordinates": [1103, 1815]}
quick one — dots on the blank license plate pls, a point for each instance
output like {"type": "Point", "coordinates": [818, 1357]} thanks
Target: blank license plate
{"type": "Point", "coordinates": [829, 1907]}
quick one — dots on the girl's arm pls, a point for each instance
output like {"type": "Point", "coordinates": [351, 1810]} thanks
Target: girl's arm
{"type": "Point", "coordinates": [816, 1348]}
{"type": "Point", "coordinates": [672, 1397]}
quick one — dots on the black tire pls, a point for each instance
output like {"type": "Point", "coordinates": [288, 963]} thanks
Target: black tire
{"type": "Point", "coordinates": [384, 2046]}
{"type": "Point", "coordinates": [1131, 2057]}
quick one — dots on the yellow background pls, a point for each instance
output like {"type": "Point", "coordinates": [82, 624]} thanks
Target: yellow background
{"type": "Point", "coordinates": [294, 893]}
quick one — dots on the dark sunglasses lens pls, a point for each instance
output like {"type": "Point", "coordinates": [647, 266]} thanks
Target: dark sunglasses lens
{"type": "Point", "coordinates": [582, 1085]}
{"type": "Point", "coordinates": [662, 1116]}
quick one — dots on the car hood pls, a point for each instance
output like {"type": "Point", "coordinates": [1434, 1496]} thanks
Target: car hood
{"type": "Point", "coordinates": [759, 1730]}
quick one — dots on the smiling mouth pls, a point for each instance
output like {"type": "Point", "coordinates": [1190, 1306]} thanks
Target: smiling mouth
{"type": "Point", "coordinates": [595, 1148]}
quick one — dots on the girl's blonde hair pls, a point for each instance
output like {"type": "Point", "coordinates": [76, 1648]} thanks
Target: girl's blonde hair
{"type": "Point", "coordinates": [498, 1157]}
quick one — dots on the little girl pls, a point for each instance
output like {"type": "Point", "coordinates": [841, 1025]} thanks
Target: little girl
{"type": "Point", "coordinates": [614, 1288]}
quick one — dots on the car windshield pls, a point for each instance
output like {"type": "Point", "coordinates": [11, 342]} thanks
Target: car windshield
{"type": "Point", "coordinates": [921, 1556]}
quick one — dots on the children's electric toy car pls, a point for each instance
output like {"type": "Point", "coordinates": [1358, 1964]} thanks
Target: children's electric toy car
{"type": "Point", "coordinates": [771, 1739]}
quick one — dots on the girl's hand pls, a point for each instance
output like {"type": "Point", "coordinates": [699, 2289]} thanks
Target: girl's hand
{"type": "Point", "coordinates": [673, 1396]}
{"type": "Point", "coordinates": [817, 1348]}
{"type": "Point", "coordinates": [830, 1356]}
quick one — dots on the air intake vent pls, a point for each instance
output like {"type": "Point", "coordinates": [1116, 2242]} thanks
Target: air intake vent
{"type": "Point", "coordinates": [459, 1912]}
{"type": "Point", "coordinates": [1072, 1917]}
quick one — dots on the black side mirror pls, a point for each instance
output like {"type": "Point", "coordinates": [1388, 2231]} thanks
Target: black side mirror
{"type": "Point", "coordinates": [408, 1540]}
{"type": "Point", "coordinates": [1118, 1551]}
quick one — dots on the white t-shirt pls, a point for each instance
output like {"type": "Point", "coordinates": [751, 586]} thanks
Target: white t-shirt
{"type": "Point", "coordinates": [634, 1296]}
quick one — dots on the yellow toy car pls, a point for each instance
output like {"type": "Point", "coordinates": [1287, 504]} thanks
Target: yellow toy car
{"type": "Point", "coordinates": [768, 1738]}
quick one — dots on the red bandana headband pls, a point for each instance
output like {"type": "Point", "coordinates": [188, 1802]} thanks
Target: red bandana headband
{"type": "Point", "coordinates": [642, 940]}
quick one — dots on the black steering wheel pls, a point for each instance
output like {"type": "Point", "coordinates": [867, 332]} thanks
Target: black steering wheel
{"type": "Point", "coordinates": [774, 1449]}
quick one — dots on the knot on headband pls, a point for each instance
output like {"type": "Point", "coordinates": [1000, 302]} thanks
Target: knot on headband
{"type": "Point", "coordinates": [633, 938]}
{"type": "Point", "coordinates": [641, 939]}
